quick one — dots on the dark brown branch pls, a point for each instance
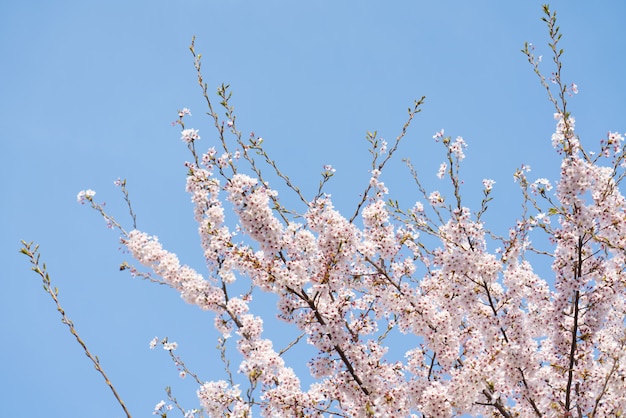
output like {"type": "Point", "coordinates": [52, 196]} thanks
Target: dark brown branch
{"type": "Point", "coordinates": [336, 347]}
{"type": "Point", "coordinates": [574, 342]}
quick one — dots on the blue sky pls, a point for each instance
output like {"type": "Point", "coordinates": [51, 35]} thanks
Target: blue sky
{"type": "Point", "coordinates": [88, 91]}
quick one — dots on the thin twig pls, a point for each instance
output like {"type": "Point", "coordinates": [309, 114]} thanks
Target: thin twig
{"type": "Point", "coordinates": [33, 255]}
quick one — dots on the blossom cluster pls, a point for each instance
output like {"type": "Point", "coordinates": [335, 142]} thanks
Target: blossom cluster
{"type": "Point", "coordinates": [491, 334]}
{"type": "Point", "coordinates": [85, 195]}
{"type": "Point", "coordinates": [483, 331]}
{"type": "Point", "coordinates": [189, 135]}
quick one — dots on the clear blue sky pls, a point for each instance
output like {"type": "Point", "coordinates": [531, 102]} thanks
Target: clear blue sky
{"type": "Point", "coordinates": [88, 91]}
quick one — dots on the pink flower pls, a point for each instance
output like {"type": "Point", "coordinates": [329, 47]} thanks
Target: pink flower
{"type": "Point", "coordinates": [436, 199]}
{"type": "Point", "coordinates": [189, 135]}
{"type": "Point", "coordinates": [488, 184]}
{"type": "Point", "coordinates": [442, 170]}
{"type": "Point", "coordinates": [170, 346]}
{"type": "Point", "coordinates": [85, 195]}
{"type": "Point", "coordinates": [457, 148]}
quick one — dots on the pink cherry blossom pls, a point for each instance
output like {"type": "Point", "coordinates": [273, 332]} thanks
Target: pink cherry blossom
{"type": "Point", "coordinates": [529, 324]}
{"type": "Point", "coordinates": [189, 135]}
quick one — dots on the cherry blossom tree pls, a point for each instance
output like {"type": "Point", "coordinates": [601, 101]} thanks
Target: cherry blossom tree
{"type": "Point", "coordinates": [489, 334]}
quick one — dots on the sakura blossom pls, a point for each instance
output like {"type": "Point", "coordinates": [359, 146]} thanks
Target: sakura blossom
{"type": "Point", "coordinates": [170, 346]}
{"type": "Point", "coordinates": [184, 112]}
{"type": "Point", "coordinates": [457, 148]}
{"type": "Point", "coordinates": [541, 186]}
{"type": "Point", "coordinates": [189, 135]}
{"type": "Point", "coordinates": [488, 184]}
{"type": "Point", "coordinates": [487, 331]}
{"type": "Point", "coordinates": [442, 170]}
{"type": "Point", "coordinates": [436, 199]}
{"type": "Point", "coordinates": [85, 195]}
{"type": "Point", "coordinates": [492, 336]}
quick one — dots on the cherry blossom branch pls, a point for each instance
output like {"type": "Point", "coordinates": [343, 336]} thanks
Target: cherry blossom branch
{"type": "Point", "coordinates": [144, 275]}
{"type": "Point", "coordinates": [111, 222]}
{"type": "Point", "coordinates": [292, 344]}
{"type": "Point", "coordinates": [87, 196]}
{"type": "Point", "coordinates": [578, 272]}
{"type": "Point", "coordinates": [178, 362]}
{"type": "Point", "coordinates": [225, 360]}
{"type": "Point", "coordinates": [489, 323]}
{"type": "Point", "coordinates": [33, 254]}
{"type": "Point", "coordinates": [219, 126]}
{"type": "Point", "coordinates": [412, 112]}
{"type": "Point", "coordinates": [347, 363]}
{"type": "Point", "coordinates": [607, 379]}
{"type": "Point", "coordinates": [454, 156]}
{"type": "Point", "coordinates": [496, 404]}
{"type": "Point", "coordinates": [254, 143]}
{"type": "Point", "coordinates": [122, 184]}
{"type": "Point", "coordinates": [570, 143]}
{"type": "Point", "coordinates": [186, 413]}
{"type": "Point", "coordinates": [425, 194]}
